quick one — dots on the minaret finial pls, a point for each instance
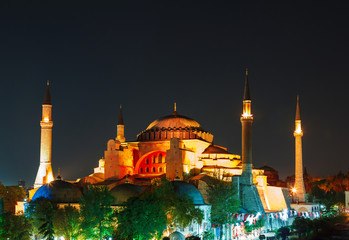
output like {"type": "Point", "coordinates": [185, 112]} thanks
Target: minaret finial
{"type": "Point", "coordinates": [175, 108]}
{"type": "Point", "coordinates": [59, 175]}
{"type": "Point", "coordinates": [298, 113]}
{"type": "Point", "coordinates": [247, 88]}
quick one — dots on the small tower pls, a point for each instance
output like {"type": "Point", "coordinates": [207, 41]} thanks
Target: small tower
{"type": "Point", "coordinates": [299, 189]}
{"type": "Point", "coordinates": [246, 122]}
{"type": "Point", "coordinates": [45, 174]}
{"type": "Point", "coordinates": [120, 128]}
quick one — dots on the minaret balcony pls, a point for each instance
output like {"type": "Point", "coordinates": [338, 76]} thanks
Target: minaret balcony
{"type": "Point", "coordinates": [45, 124]}
{"type": "Point", "coordinates": [246, 117]}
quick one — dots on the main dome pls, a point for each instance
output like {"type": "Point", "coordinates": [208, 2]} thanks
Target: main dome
{"type": "Point", "coordinates": [174, 126]}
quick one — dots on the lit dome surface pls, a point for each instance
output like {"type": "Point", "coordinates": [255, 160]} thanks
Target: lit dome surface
{"type": "Point", "coordinates": [184, 188]}
{"type": "Point", "coordinates": [174, 125]}
{"type": "Point", "coordinates": [174, 121]}
{"type": "Point", "coordinates": [59, 191]}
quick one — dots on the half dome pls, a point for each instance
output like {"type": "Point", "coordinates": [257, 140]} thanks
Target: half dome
{"type": "Point", "coordinates": [214, 149]}
{"type": "Point", "coordinates": [59, 192]}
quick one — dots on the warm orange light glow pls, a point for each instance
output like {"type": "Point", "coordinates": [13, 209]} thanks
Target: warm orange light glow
{"type": "Point", "coordinates": [46, 119]}
{"type": "Point", "coordinates": [49, 178]}
{"type": "Point", "coordinates": [246, 115]}
{"type": "Point", "coordinates": [298, 127]}
{"type": "Point", "coordinates": [294, 190]}
{"type": "Point", "coordinates": [246, 112]}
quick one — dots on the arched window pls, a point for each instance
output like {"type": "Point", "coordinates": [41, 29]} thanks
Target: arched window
{"type": "Point", "coordinates": [147, 169]}
{"type": "Point", "coordinates": [153, 158]}
{"type": "Point", "coordinates": [147, 161]}
{"type": "Point", "coordinates": [153, 169]}
{"type": "Point", "coordinates": [160, 158]}
{"type": "Point", "coordinates": [141, 170]}
{"type": "Point", "coordinates": [160, 169]}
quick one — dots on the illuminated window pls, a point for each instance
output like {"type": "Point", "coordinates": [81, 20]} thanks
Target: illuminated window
{"type": "Point", "coordinates": [160, 158]}
{"type": "Point", "coordinates": [160, 169]}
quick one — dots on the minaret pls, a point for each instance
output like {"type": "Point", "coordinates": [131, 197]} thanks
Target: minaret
{"type": "Point", "coordinates": [299, 189]}
{"type": "Point", "coordinates": [120, 128]}
{"type": "Point", "coordinates": [246, 122]}
{"type": "Point", "coordinates": [45, 174]}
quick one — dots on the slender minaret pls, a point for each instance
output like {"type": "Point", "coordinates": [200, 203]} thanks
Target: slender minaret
{"type": "Point", "coordinates": [246, 122]}
{"type": "Point", "coordinates": [45, 174]}
{"type": "Point", "coordinates": [299, 183]}
{"type": "Point", "coordinates": [120, 127]}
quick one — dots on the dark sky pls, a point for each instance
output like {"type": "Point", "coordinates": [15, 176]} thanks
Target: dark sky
{"type": "Point", "coordinates": [146, 55]}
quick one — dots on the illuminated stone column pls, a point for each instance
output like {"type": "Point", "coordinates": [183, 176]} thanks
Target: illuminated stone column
{"type": "Point", "coordinates": [120, 128]}
{"type": "Point", "coordinates": [45, 174]}
{"type": "Point", "coordinates": [299, 189]}
{"type": "Point", "coordinates": [246, 141]}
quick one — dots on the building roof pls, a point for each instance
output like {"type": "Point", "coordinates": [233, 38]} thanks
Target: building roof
{"type": "Point", "coordinates": [123, 192]}
{"type": "Point", "coordinates": [174, 121]}
{"type": "Point", "coordinates": [267, 168]}
{"type": "Point", "coordinates": [184, 188]}
{"type": "Point", "coordinates": [214, 149]}
{"type": "Point", "coordinates": [59, 191]}
{"type": "Point", "coordinates": [176, 236]}
{"type": "Point", "coordinates": [180, 126]}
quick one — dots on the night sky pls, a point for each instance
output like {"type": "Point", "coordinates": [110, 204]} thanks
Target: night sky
{"type": "Point", "coordinates": [146, 55]}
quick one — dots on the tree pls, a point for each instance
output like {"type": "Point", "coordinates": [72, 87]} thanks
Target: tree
{"type": "Point", "coordinates": [97, 215]}
{"type": "Point", "coordinates": [67, 222]}
{"type": "Point", "coordinates": [10, 196]}
{"type": "Point", "coordinates": [41, 214]}
{"type": "Point", "coordinates": [283, 232]}
{"type": "Point", "coordinates": [141, 219]}
{"type": "Point", "coordinates": [14, 227]}
{"type": "Point", "coordinates": [180, 210]}
{"type": "Point", "coordinates": [148, 215]}
{"type": "Point", "coordinates": [303, 226]}
{"type": "Point", "coordinates": [223, 200]}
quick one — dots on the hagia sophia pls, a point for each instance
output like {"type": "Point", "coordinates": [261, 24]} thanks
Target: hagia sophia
{"type": "Point", "coordinates": [177, 147]}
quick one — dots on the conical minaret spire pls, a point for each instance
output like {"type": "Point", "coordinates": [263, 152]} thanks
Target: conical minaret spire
{"type": "Point", "coordinates": [121, 118]}
{"type": "Point", "coordinates": [298, 113]}
{"type": "Point", "coordinates": [299, 189]}
{"type": "Point", "coordinates": [246, 140]}
{"type": "Point", "coordinates": [120, 127]}
{"type": "Point", "coordinates": [247, 88]}
{"type": "Point", "coordinates": [45, 174]}
{"type": "Point", "coordinates": [47, 97]}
